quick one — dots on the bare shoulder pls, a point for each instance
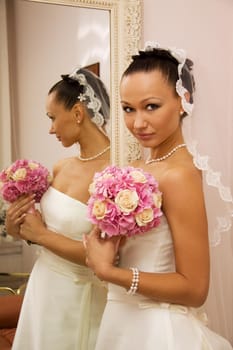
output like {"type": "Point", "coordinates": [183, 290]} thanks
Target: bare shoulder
{"type": "Point", "coordinates": [181, 174]}
{"type": "Point", "coordinates": [61, 164]}
{"type": "Point", "coordinates": [181, 185]}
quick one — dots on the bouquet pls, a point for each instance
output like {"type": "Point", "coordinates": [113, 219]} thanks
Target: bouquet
{"type": "Point", "coordinates": [124, 201]}
{"type": "Point", "coordinates": [24, 177]}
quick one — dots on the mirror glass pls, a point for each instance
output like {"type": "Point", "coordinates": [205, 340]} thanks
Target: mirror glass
{"type": "Point", "coordinates": [42, 40]}
{"type": "Point", "coordinates": [48, 40]}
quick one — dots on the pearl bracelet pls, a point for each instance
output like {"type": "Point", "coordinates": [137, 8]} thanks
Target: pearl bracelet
{"type": "Point", "coordinates": [135, 280]}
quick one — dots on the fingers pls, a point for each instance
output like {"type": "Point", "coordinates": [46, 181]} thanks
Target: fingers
{"type": "Point", "coordinates": [95, 247]}
{"type": "Point", "coordinates": [84, 240]}
{"type": "Point", "coordinates": [23, 200]}
{"type": "Point", "coordinates": [16, 218]}
{"type": "Point", "coordinates": [117, 260]}
{"type": "Point", "coordinates": [20, 207]}
{"type": "Point", "coordinates": [38, 214]}
{"type": "Point", "coordinates": [95, 232]}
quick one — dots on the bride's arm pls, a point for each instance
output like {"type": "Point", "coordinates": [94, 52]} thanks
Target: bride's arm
{"type": "Point", "coordinates": [34, 230]}
{"type": "Point", "coordinates": [183, 205]}
{"type": "Point", "coordinates": [31, 227]}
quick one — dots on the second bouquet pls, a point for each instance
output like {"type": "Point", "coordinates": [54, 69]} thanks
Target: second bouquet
{"type": "Point", "coordinates": [24, 177]}
{"type": "Point", "coordinates": [124, 201]}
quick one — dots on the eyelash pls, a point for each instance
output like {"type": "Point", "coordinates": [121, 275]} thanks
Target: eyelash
{"type": "Point", "coordinates": [149, 107]}
{"type": "Point", "coordinates": [153, 106]}
{"type": "Point", "coordinates": [127, 109]}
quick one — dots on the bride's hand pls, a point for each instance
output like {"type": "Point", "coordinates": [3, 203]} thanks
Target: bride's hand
{"type": "Point", "coordinates": [32, 227]}
{"type": "Point", "coordinates": [101, 253]}
{"type": "Point", "coordinates": [15, 214]}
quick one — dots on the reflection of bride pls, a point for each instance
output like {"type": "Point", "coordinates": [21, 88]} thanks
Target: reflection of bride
{"type": "Point", "coordinates": [64, 301]}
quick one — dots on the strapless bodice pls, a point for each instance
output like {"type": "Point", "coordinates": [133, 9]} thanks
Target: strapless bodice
{"type": "Point", "coordinates": [64, 214]}
{"type": "Point", "coordinates": [149, 252]}
{"type": "Point", "coordinates": [67, 216]}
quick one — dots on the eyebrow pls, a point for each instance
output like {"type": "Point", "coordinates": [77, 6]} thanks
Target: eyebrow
{"type": "Point", "coordinates": [145, 100]}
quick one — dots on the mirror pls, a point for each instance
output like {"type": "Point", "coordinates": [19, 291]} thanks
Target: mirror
{"type": "Point", "coordinates": [123, 37]}
{"type": "Point", "coordinates": [119, 31]}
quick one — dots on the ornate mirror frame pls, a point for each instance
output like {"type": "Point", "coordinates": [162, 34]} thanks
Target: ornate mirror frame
{"type": "Point", "coordinates": [125, 36]}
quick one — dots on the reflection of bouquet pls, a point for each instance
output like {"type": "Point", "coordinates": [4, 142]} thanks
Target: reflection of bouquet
{"type": "Point", "coordinates": [24, 177]}
{"type": "Point", "coordinates": [124, 201]}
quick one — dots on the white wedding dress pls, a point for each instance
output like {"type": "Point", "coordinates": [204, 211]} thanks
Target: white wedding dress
{"type": "Point", "coordinates": [134, 322]}
{"type": "Point", "coordinates": [64, 302]}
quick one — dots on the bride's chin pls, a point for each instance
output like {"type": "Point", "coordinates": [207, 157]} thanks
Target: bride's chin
{"type": "Point", "coordinates": [65, 144]}
{"type": "Point", "coordinates": [68, 144]}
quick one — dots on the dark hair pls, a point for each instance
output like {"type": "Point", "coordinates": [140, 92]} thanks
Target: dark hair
{"type": "Point", "coordinates": [68, 91]}
{"type": "Point", "coordinates": [162, 60]}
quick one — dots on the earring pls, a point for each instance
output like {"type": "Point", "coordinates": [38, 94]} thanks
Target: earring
{"type": "Point", "coordinates": [76, 117]}
{"type": "Point", "coordinates": [181, 112]}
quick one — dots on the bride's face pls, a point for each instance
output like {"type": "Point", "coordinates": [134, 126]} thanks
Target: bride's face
{"type": "Point", "coordinates": [63, 121]}
{"type": "Point", "coordinates": [151, 107]}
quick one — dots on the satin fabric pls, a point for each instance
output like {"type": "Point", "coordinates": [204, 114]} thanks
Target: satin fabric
{"type": "Point", "coordinates": [137, 322]}
{"type": "Point", "coordinates": [64, 301]}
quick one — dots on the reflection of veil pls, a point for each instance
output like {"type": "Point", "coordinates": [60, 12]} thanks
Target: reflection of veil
{"type": "Point", "coordinates": [208, 135]}
{"type": "Point", "coordinates": [95, 96]}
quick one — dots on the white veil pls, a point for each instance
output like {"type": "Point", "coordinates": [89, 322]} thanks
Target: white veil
{"type": "Point", "coordinates": [213, 156]}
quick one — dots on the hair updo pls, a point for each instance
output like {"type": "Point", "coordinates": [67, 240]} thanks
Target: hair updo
{"type": "Point", "coordinates": [163, 61]}
{"type": "Point", "coordinates": [68, 91]}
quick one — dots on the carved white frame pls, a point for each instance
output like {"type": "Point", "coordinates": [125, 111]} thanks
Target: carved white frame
{"type": "Point", "coordinates": [125, 29]}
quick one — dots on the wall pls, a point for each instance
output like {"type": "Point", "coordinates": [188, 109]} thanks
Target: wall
{"type": "Point", "coordinates": [205, 30]}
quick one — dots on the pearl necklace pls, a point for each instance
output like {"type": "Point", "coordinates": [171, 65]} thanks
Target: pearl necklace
{"type": "Point", "coordinates": [95, 156]}
{"type": "Point", "coordinates": [149, 161]}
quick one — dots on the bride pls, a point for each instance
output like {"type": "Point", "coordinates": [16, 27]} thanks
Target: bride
{"type": "Point", "coordinates": [64, 301]}
{"type": "Point", "coordinates": [156, 294]}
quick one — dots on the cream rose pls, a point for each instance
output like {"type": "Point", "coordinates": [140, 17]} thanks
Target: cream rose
{"type": "Point", "coordinates": [49, 178]}
{"type": "Point", "coordinates": [157, 197]}
{"type": "Point", "coordinates": [138, 176]}
{"type": "Point", "coordinates": [33, 165]}
{"type": "Point", "coordinates": [91, 188]}
{"type": "Point", "coordinates": [106, 176]}
{"type": "Point", "coordinates": [8, 173]}
{"type": "Point", "coordinates": [20, 174]}
{"type": "Point", "coordinates": [127, 200]}
{"type": "Point", "coordinates": [144, 217]}
{"type": "Point", "coordinates": [99, 209]}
